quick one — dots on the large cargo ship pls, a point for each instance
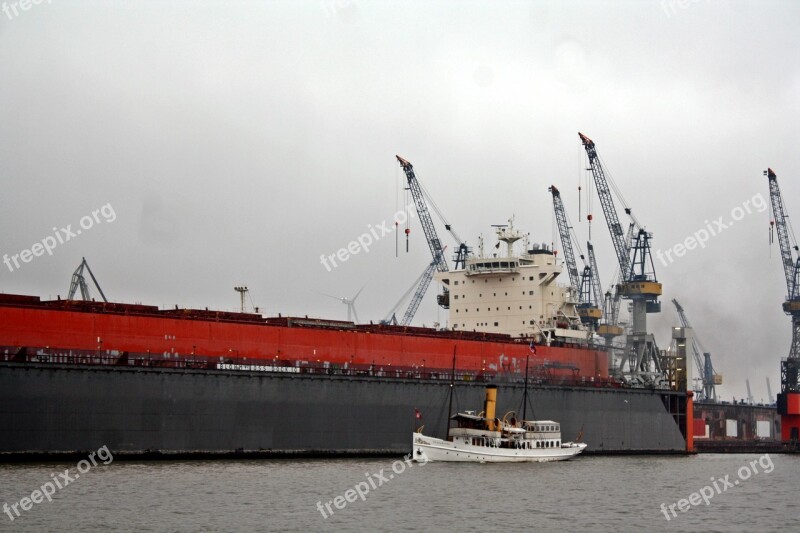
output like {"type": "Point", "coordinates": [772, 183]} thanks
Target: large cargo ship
{"type": "Point", "coordinates": [75, 375]}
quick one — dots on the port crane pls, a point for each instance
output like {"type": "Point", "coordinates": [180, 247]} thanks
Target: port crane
{"type": "Point", "coordinates": [421, 285]}
{"type": "Point", "coordinates": [587, 285]}
{"type": "Point", "coordinates": [790, 260]}
{"type": "Point", "coordinates": [789, 398]}
{"type": "Point", "coordinates": [641, 359]}
{"type": "Point", "coordinates": [702, 359]}
{"type": "Point", "coordinates": [590, 285]}
{"type": "Point", "coordinates": [435, 245]}
{"type": "Point", "coordinates": [609, 327]}
{"type": "Point", "coordinates": [79, 282]}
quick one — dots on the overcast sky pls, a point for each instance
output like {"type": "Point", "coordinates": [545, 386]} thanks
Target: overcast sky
{"type": "Point", "coordinates": [237, 142]}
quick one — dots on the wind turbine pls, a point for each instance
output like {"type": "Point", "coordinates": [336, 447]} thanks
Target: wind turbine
{"type": "Point", "coordinates": [349, 302]}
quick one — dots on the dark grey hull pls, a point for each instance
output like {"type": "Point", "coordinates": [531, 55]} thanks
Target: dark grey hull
{"type": "Point", "coordinates": [46, 408]}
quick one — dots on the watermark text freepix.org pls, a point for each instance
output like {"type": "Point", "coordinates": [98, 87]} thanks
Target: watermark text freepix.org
{"type": "Point", "coordinates": [59, 236]}
{"type": "Point", "coordinates": [713, 228]}
{"type": "Point", "coordinates": [59, 481]}
{"type": "Point", "coordinates": [365, 240]}
{"type": "Point", "coordinates": [12, 9]}
{"type": "Point", "coordinates": [718, 486]}
{"type": "Point", "coordinates": [362, 488]}
{"type": "Point", "coordinates": [670, 7]}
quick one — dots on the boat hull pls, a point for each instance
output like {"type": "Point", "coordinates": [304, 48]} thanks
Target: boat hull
{"type": "Point", "coordinates": [52, 408]}
{"type": "Point", "coordinates": [176, 335]}
{"type": "Point", "coordinates": [426, 449]}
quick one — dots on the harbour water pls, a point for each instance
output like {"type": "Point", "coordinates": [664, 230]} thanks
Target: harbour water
{"type": "Point", "coordinates": [383, 494]}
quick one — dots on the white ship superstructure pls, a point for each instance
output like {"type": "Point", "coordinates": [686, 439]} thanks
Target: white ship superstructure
{"type": "Point", "coordinates": [512, 292]}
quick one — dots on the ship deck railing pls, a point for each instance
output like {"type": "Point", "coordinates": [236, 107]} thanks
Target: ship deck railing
{"type": "Point", "coordinates": [235, 363]}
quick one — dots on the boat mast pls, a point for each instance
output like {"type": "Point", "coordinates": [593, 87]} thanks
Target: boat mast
{"type": "Point", "coordinates": [452, 384]}
{"type": "Point", "coordinates": [525, 394]}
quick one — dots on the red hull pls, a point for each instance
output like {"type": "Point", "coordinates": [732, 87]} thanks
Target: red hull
{"type": "Point", "coordinates": [25, 321]}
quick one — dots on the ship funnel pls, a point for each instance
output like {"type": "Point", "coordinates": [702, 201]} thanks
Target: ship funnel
{"type": "Point", "coordinates": [489, 407]}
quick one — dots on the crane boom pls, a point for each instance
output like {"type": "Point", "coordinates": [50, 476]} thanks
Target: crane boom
{"type": "Point", "coordinates": [566, 239]}
{"type": "Point", "coordinates": [422, 288]}
{"type": "Point", "coordinates": [598, 290]}
{"type": "Point", "coordinates": [790, 267]}
{"type": "Point", "coordinates": [435, 245]}
{"type": "Point", "coordinates": [702, 362]}
{"type": "Point", "coordinates": [607, 202]}
{"type": "Point", "coordinates": [79, 282]}
{"type": "Point", "coordinates": [391, 316]}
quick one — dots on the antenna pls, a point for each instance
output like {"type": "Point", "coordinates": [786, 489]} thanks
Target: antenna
{"type": "Point", "coordinates": [242, 290]}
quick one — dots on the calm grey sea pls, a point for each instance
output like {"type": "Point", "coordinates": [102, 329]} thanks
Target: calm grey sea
{"type": "Point", "coordinates": [599, 493]}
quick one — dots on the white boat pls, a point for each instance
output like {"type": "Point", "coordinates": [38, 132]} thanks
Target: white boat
{"type": "Point", "coordinates": [487, 439]}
